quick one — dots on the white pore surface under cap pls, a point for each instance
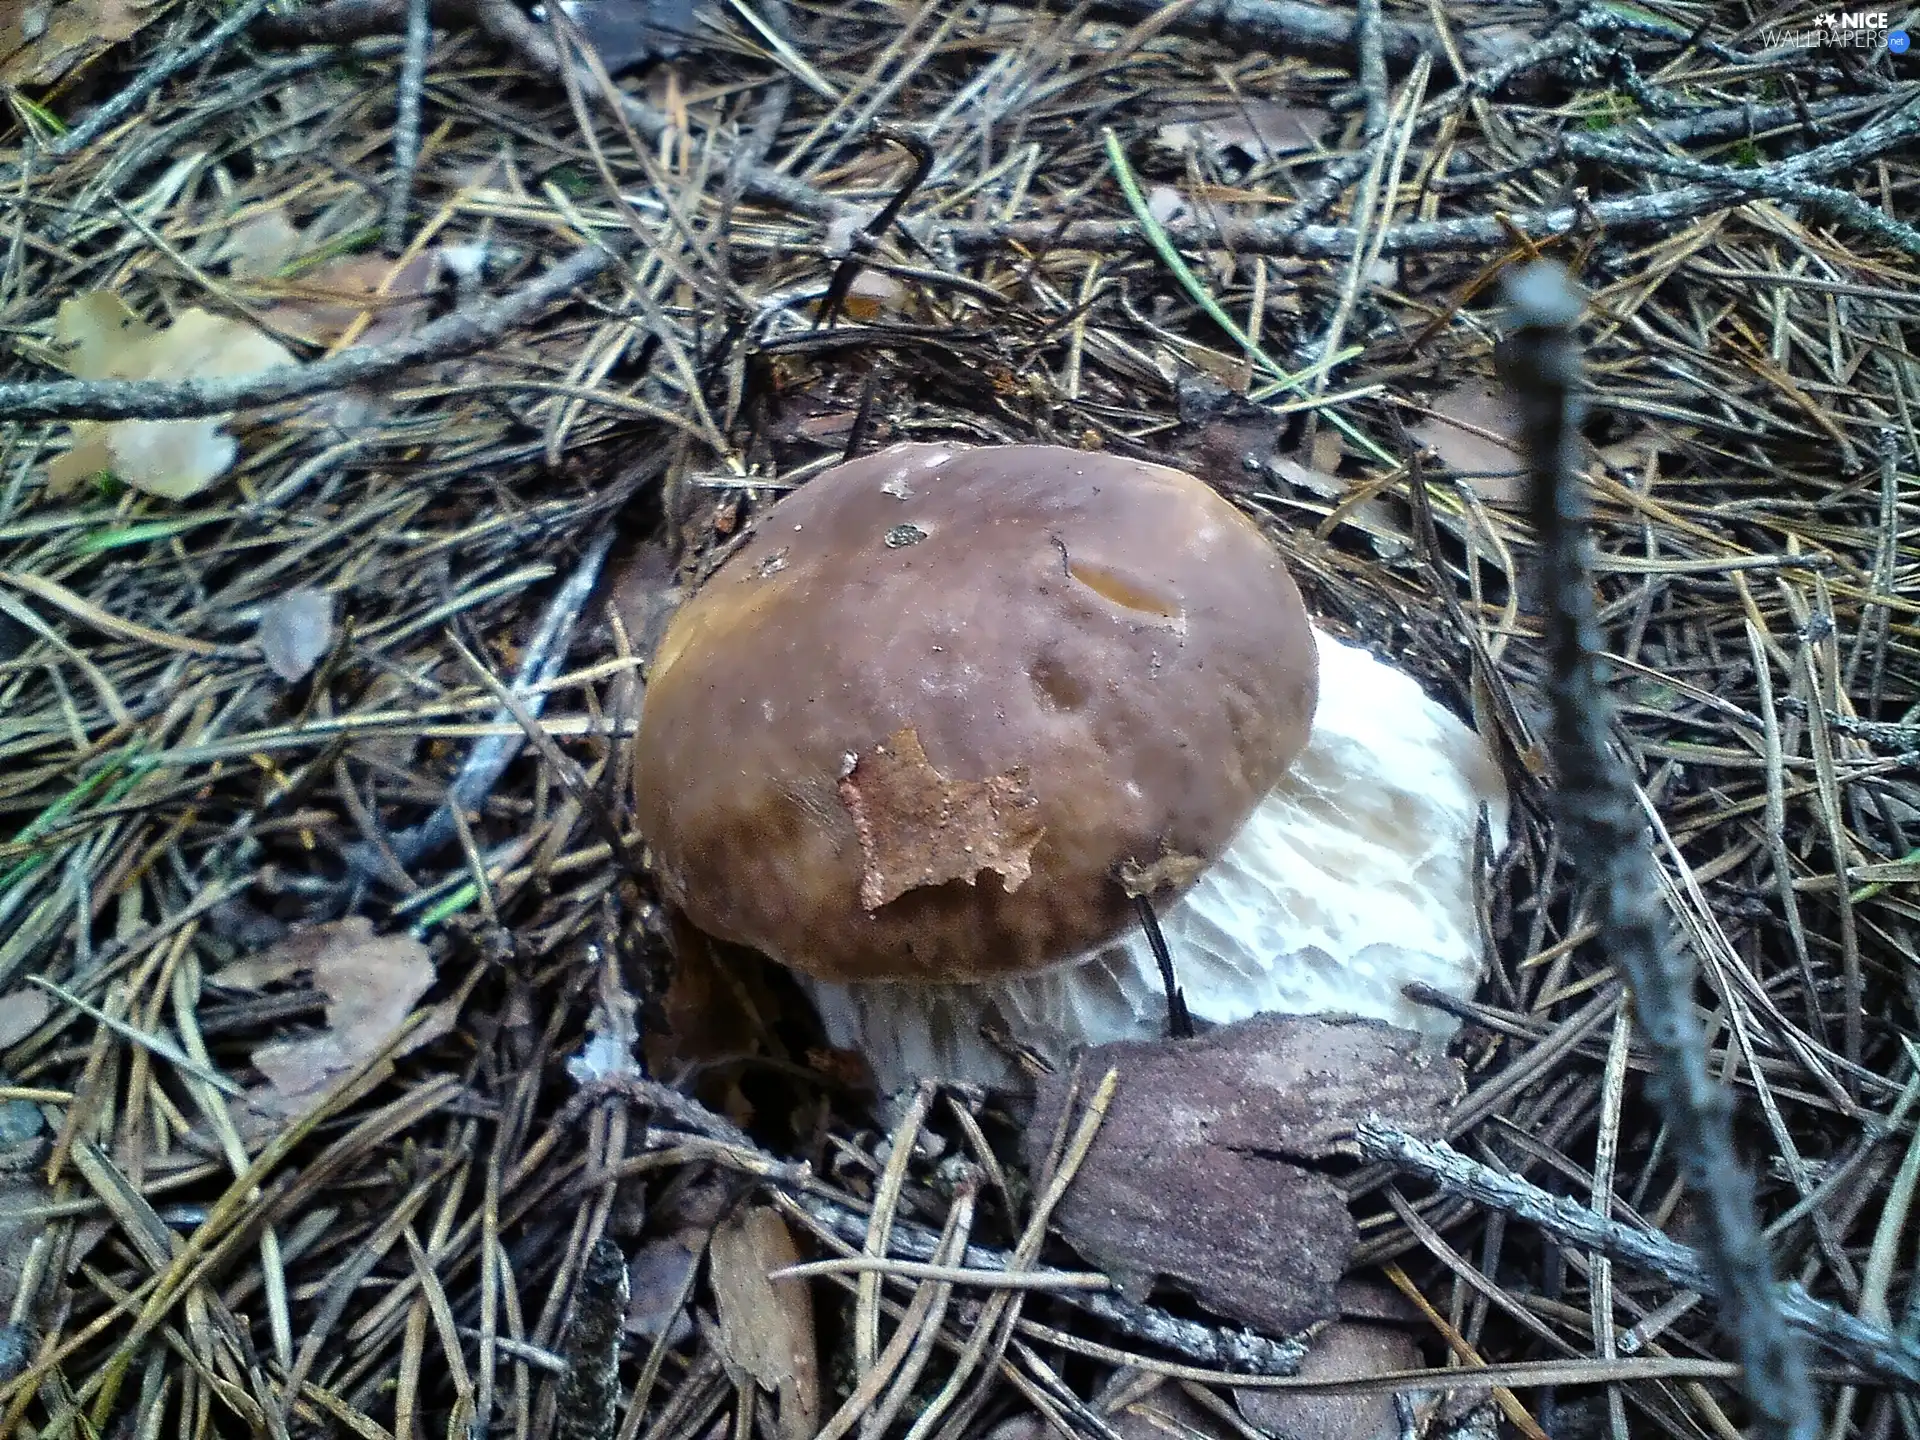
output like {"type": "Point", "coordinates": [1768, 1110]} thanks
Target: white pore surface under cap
{"type": "Point", "coordinates": [1353, 878]}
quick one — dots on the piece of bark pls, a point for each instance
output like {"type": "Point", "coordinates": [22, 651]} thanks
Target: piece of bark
{"type": "Point", "coordinates": [1209, 1170]}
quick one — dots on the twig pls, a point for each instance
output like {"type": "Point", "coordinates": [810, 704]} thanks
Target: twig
{"type": "Point", "coordinates": [546, 652]}
{"type": "Point", "coordinates": [1603, 833]}
{"type": "Point", "coordinates": [861, 243]}
{"type": "Point", "coordinates": [1294, 27]}
{"type": "Point", "coordinates": [1887, 734]}
{"type": "Point", "coordinates": [1872, 1348]}
{"type": "Point", "coordinates": [1773, 181]}
{"type": "Point", "coordinates": [466, 330]}
{"type": "Point", "coordinates": [1283, 235]}
{"type": "Point", "coordinates": [406, 122]}
{"type": "Point", "coordinates": [1371, 65]}
{"type": "Point", "coordinates": [1243, 1351]}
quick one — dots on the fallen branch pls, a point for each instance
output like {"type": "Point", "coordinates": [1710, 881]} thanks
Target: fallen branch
{"type": "Point", "coordinates": [1878, 1351]}
{"type": "Point", "coordinates": [1293, 27]}
{"type": "Point", "coordinates": [1604, 835]}
{"type": "Point", "coordinates": [474, 327]}
{"type": "Point", "coordinates": [1277, 235]}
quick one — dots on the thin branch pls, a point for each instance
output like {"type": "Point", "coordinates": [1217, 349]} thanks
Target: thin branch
{"type": "Point", "coordinates": [1604, 834]}
{"type": "Point", "coordinates": [1869, 1346]}
{"type": "Point", "coordinates": [1294, 27]}
{"type": "Point", "coordinates": [1275, 235]}
{"type": "Point", "coordinates": [406, 123]}
{"type": "Point", "coordinates": [546, 652]}
{"type": "Point", "coordinates": [466, 330]}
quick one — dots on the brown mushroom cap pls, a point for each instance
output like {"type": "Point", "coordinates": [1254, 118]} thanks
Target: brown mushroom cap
{"type": "Point", "coordinates": [938, 661]}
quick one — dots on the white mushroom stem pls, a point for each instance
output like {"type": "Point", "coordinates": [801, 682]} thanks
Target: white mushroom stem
{"type": "Point", "coordinates": [1352, 879]}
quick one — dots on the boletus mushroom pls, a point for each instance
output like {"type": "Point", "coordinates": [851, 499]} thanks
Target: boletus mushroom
{"type": "Point", "coordinates": [925, 733]}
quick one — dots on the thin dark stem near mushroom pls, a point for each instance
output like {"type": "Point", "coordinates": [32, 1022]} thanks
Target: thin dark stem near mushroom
{"type": "Point", "coordinates": [1179, 1019]}
{"type": "Point", "coordinates": [1605, 835]}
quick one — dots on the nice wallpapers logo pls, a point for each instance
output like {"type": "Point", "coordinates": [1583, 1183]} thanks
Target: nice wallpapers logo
{"type": "Point", "coordinates": [1843, 30]}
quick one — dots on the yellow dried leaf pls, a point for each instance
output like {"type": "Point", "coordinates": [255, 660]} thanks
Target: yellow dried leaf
{"type": "Point", "coordinates": [100, 335]}
{"type": "Point", "coordinates": [175, 459]}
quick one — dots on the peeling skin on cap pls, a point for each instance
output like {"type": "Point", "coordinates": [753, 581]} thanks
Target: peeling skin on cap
{"type": "Point", "coordinates": [1100, 661]}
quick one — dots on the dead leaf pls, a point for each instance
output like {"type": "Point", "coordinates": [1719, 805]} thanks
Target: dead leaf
{"type": "Point", "coordinates": [917, 827]}
{"type": "Point", "coordinates": [657, 1286]}
{"type": "Point", "coordinates": [295, 631]}
{"type": "Point", "coordinates": [1209, 1169]}
{"type": "Point", "coordinates": [323, 304]}
{"type": "Point", "coordinates": [1252, 131]}
{"type": "Point", "coordinates": [286, 959]}
{"type": "Point", "coordinates": [42, 40]}
{"type": "Point", "coordinates": [1345, 1350]}
{"type": "Point", "coordinates": [98, 329]}
{"type": "Point", "coordinates": [872, 294]}
{"type": "Point", "coordinates": [766, 1326]}
{"type": "Point", "coordinates": [260, 245]}
{"type": "Point", "coordinates": [1476, 432]}
{"type": "Point", "coordinates": [174, 459]}
{"type": "Point", "coordinates": [371, 982]}
{"type": "Point", "coordinates": [21, 1014]}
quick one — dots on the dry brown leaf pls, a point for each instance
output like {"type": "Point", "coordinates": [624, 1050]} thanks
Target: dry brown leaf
{"type": "Point", "coordinates": [41, 40]}
{"type": "Point", "coordinates": [371, 982]}
{"type": "Point", "coordinates": [917, 827]}
{"type": "Point", "coordinates": [174, 459]}
{"type": "Point", "coordinates": [1475, 431]}
{"type": "Point", "coordinates": [766, 1326]}
{"type": "Point", "coordinates": [1253, 131]}
{"type": "Point", "coordinates": [21, 1014]}
{"type": "Point", "coordinates": [260, 245]}
{"type": "Point", "coordinates": [325, 302]}
{"type": "Point", "coordinates": [286, 959]}
{"type": "Point", "coordinates": [657, 1286]}
{"type": "Point", "coordinates": [1209, 1168]}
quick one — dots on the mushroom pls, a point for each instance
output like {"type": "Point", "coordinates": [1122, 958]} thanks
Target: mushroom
{"type": "Point", "coordinates": [925, 733]}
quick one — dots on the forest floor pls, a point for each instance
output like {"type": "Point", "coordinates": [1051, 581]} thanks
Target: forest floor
{"type": "Point", "coordinates": [356, 353]}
